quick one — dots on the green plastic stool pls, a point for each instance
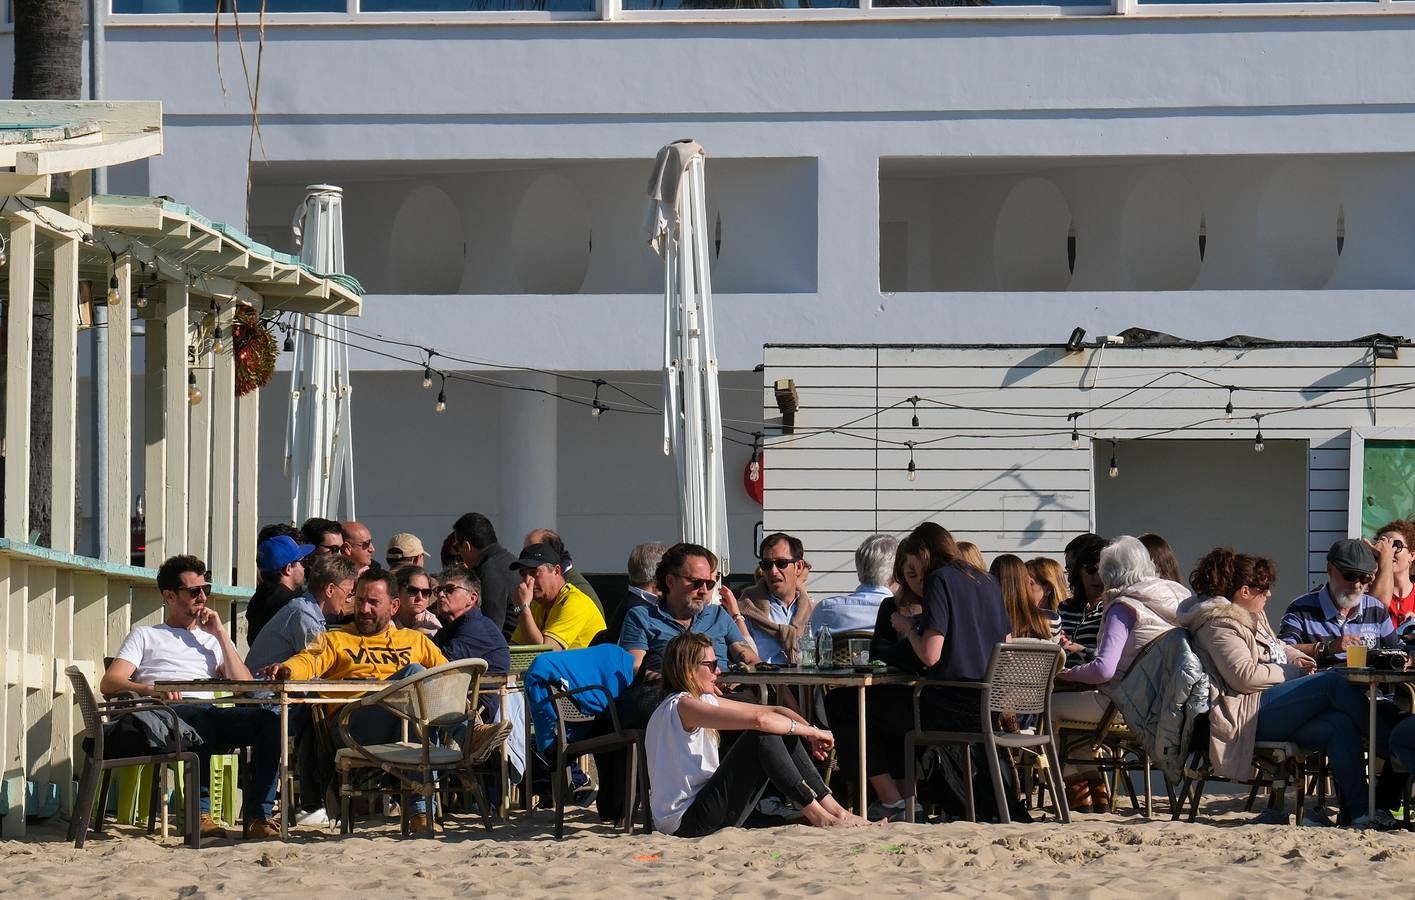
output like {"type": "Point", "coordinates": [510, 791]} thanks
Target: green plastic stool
{"type": "Point", "coordinates": [135, 787]}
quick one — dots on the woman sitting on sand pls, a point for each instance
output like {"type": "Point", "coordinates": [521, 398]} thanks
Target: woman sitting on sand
{"type": "Point", "coordinates": [693, 791]}
{"type": "Point", "coordinates": [1257, 687]}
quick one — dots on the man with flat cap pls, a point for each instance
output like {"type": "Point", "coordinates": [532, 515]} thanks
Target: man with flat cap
{"type": "Point", "coordinates": [1340, 613]}
{"type": "Point", "coordinates": [548, 609]}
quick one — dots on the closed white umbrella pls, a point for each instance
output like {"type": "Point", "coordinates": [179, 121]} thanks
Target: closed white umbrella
{"type": "Point", "coordinates": [319, 448]}
{"type": "Point", "coordinates": [692, 415]}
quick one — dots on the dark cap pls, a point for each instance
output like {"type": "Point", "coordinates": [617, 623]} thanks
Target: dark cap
{"type": "Point", "coordinates": [1352, 556]}
{"type": "Point", "coordinates": [537, 555]}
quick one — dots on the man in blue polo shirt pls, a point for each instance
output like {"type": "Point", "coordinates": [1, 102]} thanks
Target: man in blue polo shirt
{"type": "Point", "coordinates": [685, 578]}
{"type": "Point", "coordinates": [1325, 622]}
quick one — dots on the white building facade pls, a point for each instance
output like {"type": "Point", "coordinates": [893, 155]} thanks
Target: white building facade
{"type": "Point", "coordinates": [955, 175]}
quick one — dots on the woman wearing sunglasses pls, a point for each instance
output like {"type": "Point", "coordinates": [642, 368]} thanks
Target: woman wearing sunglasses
{"type": "Point", "coordinates": [696, 789]}
{"type": "Point", "coordinates": [415, 590]}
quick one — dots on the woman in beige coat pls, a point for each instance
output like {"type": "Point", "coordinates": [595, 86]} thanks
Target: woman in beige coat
{"type": "Point", "coordinates": [1262, 689]}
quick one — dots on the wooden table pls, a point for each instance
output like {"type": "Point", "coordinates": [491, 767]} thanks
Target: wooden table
{"type": "Point", "coordinates": [827, 678]}
{"type": "Point", "coordinates": [1373, 678]}
{"type": "Point", "coordinates": [284, 694]}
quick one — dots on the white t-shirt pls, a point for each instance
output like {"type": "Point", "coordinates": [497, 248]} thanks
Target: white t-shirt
{"type": "Point", "coordinates": [680, 762]}
{"type": "Point", "coordinates": [163, 653]}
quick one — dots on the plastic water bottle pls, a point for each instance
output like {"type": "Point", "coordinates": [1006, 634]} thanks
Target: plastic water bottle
{"type": "Point", "coordinates": [825, 648]}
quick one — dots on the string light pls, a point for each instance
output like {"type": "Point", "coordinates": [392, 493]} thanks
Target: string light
{"type": "Point", "coordinates": [113, 295]}
{"type": "Point", "coordinates": [915, 400]}
{"type": "Point", "coordinates": [913, 470]}
{"type": "Point", "coordinates": [442, 397]}
{"type": "Point", "coordinates": [4, 254]}
{"type": "Point", "coordinates": [1228, 410]}
{"type": "Point", "coordinates": [217, 345]}
{"type": "Point", "coordinates": [754, 468]}
{"type": "Point", "coordinates": [427, 371]}
{"type": "Point", "coordinates": [193, 392]}
{"type": "Point", "coordinates": [1075, 430]}
{"type": "Point", "coordinates": [1258, 445]}
{"type": "Point", "coordinates": [141, 301]}
{"type": "Point", "coordinates": [1114, 463]}
{"type": "Point", "coordinates": [597, 408]}
{"type": "Point", "coordinates": [289, 340]}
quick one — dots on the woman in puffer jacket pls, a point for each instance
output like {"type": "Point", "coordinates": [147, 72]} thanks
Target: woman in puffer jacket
{"type": "Point", "coordinates": [1262, 689]}
{"type": "Point", "coordinates": [1139, 607]}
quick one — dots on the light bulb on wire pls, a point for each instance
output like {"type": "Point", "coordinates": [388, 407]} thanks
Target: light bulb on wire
{"type": "Point", "coordinates": [1075, 430]}
{"type": "Point", "coordinates": [217, 345]}
{"type": "Point", "coordinates": [1258, 445]}
{"type": "Point", "coordinates": [113, 296]}
{"type": "Point", "coordinates": [1228, 410]}
{"type": "Point", "coordinates": [597, 408]}
{"type": "Point", "coordinates": [441, 397]}
{"type": "Point", "coordinates": [915, 420]}
{"type": "Point", "coordinates": [754, 468]}
{"type": "Point", "coordinates": [913, 470]}
{"type": "Point", "coordinates": [289, 342]}
{"type": "Point", "coordinates": [141, 301]}
{"type": "Point", "coordinates": [1114, 471]}
{"type": "Point", "coordinates": [193, 392]}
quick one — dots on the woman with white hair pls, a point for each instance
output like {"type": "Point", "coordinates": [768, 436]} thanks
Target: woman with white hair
{"type": "Point", "coordinates": [1139, 607]}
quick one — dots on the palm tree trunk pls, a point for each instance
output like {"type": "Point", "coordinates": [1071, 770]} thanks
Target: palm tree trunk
{"type": "Point", "coordinates": [49, 38]}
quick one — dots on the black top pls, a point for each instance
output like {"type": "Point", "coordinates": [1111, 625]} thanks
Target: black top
{"type": "Point", "coordinates": [474, 636]}
{"type": "Point", "coordinates": [888, 646]}
{"type": "Point", "coordinates": [498, 587]}
{"type": "Point", "coordinates": [965, 606]}
{"type": "Point", "coordinates": [267, 600]}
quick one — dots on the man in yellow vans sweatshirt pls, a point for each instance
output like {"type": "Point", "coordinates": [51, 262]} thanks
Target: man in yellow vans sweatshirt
{"type": "Point", "coordinates": [373, 647]}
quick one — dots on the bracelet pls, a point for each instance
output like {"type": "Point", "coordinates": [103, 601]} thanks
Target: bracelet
{"type": "Point", "coordinates": [792, 729]}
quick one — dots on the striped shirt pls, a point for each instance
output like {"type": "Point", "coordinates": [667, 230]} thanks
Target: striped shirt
{"type": "Point", "coordinates": [1314, 617]}
{"type": "Point", "coordinates": [1082, 625]}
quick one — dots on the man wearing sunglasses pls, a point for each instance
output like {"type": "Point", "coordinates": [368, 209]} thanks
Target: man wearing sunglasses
{"type": "Point", "coordinates": [1340, 613]}
{"type": "Point", "coordinates": [192, 644]}
{"type": "Point", "coordinates": [358, 544]}
{"type": "Point", "coordinates": [777, 608]}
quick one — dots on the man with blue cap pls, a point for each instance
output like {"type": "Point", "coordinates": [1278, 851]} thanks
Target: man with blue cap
{"type": "Point", "coordinates": [280, 561]}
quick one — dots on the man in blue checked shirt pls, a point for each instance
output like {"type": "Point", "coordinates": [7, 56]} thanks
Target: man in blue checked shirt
{"type": "Point", "coordinates": [1325, 622]}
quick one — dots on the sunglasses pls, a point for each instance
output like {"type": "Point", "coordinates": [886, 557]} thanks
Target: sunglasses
{"type": "Point", "coordinates": [448, 590]}
{"type": "Point", "coordinates": [709, 664]}
{"type": "Point", "coordinates": [420, 592]}
{"type": "Point", "coordinates": [363, 545]}
{"type": "Point", "coordinates": [780, 564]}
{"type": "Point", "coordinates": [698, 584]}
{"type": "Point", "coordinates": [329, 548]}
{"type": "Point", "coordinates": [1357, 577]}
{"type": "Point", "coordinates": [196, 590]}
{"type": "Point", "coordinates": [1398, 545]}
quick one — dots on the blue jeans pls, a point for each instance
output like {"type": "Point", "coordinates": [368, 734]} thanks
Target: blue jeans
{"type": "Point", "coordinates": [224, 729]}
{"type": "Point", "coordinates": [1323, 712]}
{"type": "Point", "coordinates": [373, 725]}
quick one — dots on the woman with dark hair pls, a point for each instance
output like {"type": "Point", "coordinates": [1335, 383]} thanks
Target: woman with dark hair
{"type": "Point", "coordinates": [1163, 556]}
{"type": "Point", "coordinates": [1081, 613]}
{"type": "Point", "coordinates": [1029, 619]}
{"type": "Point", "coordinates": [1261, 689]}
{"type": "Point", "coordinates": [961, 617]}
{"type": "Point", "coordinates": [694, 791]}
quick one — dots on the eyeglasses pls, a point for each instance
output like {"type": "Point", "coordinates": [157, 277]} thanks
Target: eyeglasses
{"type": "Point", "coordinates": [1398, 545]}
{"type": "Point", "coordinates": [363, 545]}
{"type": "Point", "coordinates": [448, 590]}
{"type": "Point", "coordinates": [709, 664]}
{"type": "Point", "coordinates": [697, 584]}
{"type": "Point", "coordinates": [419, 592]}
{"type": "Point", "coordinates": [328, 548]}
{"type": "Point", "coordinates": [196, 590]}
{"type": "Point", "coordinates": [1357, 577]}
{"type": "Point", "coordinates": [780, 564]}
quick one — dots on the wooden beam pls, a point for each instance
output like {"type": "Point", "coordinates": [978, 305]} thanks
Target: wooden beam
{"type": "Point", "coordinates": [175, 410]}
{"type": "Point", "coordinates": [52, 222]}
{"type": "Point", "coordinates": [16, 185]}
{"type": "Point", "coordinates": [154, 491]}
{"type": "Point", "coordinates": [199, 464]}
{"type": "Point", "coordinates": [223, 450]}
{"type": "Point", "coordinates": [115, 505]}
{"type": "Point", "coordinates": [63, 459]}
{"type": "Point", "coordinates": [19, 345]}
{"type": "Point", "coordinates": [247, 470]}
{"type": "Point", "coordinates": [139, 217]}
{"type": "Point", "coordinates": [71, 156]}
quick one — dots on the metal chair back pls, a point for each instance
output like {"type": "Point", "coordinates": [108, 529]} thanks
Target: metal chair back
{"type": "Point", "coordinates": [522, 655]}
{"type": "Point", "coordinates": [1020, 677]}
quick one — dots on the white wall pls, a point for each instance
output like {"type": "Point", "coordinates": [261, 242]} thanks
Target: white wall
{"type": "Point", "coordinates": [994, 458]}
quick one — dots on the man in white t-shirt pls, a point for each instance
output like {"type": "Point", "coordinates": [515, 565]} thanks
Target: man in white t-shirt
{"type": "Point", "coordinates": [192, 644]}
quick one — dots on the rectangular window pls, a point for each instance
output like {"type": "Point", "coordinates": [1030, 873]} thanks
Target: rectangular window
{"type": "Point", "coordinates": [207, 7]}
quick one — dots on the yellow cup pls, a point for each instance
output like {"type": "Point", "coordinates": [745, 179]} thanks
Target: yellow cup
{"type": "Point", "coordinates": [1356, 656]}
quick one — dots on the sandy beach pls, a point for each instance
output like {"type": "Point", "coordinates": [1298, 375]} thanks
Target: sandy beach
{"type": "Point", "coordinates": [1095, 856]}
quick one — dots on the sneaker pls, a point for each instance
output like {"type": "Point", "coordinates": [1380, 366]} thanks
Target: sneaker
{"type": "Point", "coordinates": [582, 791]}
{"type": "Point", "coordinates": [1317, 818]}
{"type": "Point", "coordinates": [1380, 821]}
{"type": "Point", "coordinates": [312, 817]}
{"type": "Point", "coordinates": [894, 812]}
{"type": "Point", "coordinates": [210, 828]}
{"type": "Point", "coordinates": [260, 830]}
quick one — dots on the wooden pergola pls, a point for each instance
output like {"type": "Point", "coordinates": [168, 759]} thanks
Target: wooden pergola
{"type": "Point", "coordinates": [152, 261]}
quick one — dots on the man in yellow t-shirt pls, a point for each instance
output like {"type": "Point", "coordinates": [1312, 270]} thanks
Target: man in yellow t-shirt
{"type": "Point", "coordinates": [551, 610]}
{"type": "Point", "coordinates": [372, 647]}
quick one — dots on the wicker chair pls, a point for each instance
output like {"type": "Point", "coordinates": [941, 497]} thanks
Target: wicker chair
{"type": "Point", "coordinates": [567, 713]}
{"type": "Point", "coordinates": [1275, 763]}
{"type": "Point", "coordinates": [522, 655]}
{"type": "Point", "coordinates": [1019, 681]}
{"type": "Point", "coordinates": [96, 715]}
{"type": "Point", "coordinates": [439, 698]}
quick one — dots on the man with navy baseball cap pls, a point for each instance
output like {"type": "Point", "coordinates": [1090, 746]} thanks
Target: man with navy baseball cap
{"type": "Point", "coordinates": [280, 561]}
